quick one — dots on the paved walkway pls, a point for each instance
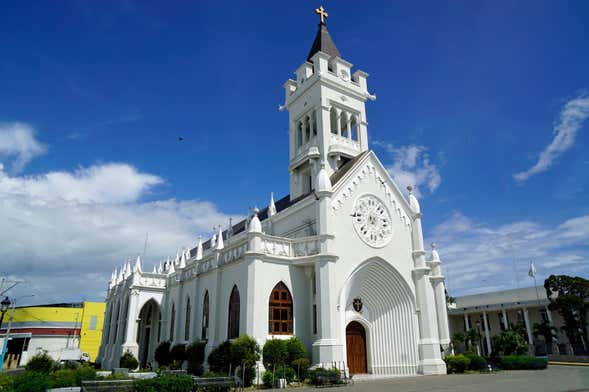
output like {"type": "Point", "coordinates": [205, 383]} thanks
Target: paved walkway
{"type": "Point", "coordinates": [553, 379]}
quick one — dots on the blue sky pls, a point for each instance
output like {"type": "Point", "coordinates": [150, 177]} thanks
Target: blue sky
{"type": "Point", "coordinates": [93, 98]}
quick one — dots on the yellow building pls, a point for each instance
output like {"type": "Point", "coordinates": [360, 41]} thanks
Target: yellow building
{"type": "Point", "coordinates": [67, 331]}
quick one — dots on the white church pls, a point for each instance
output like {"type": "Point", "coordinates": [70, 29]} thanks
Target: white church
{"type": "Point", "coordinates": [339, 262]}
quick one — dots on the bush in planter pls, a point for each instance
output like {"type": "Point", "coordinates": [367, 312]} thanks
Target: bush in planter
{"type": "Point", "coordinates": [177, 355]}
{"type": "Point", "coordinates": [41, 363]}
{"type": "Point", "coordinates": [245, 352]}
{"type": "Point", "coordinates": [195, 356]}
{"type": "Point", "coordinates": [523, 362]}
{"type": "Point", "coordinates": [32, 381]}
{"type": "Point", "coordinates": [128, 361]}
{"type": "Point", "coordinates": [63, 378]}
{"type": "Point", "coordinates": [457, 363]}
{"type": "Point", "coordinates": [275, 352]}
{"type": "Point", "coordinates": [164, 383]}
{"type": "Point", "coordinates": [322, 376]}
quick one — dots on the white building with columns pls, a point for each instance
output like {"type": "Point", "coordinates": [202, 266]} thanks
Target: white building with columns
{"type": "Point", "coordinates": [339, 262]}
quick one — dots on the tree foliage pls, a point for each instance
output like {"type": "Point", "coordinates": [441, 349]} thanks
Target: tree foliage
{"type": "Point", "coordinates": [567, 295]}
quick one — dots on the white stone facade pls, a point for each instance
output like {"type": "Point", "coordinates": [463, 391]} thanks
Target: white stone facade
{"type": "Point", "coordinates": [347, 245]}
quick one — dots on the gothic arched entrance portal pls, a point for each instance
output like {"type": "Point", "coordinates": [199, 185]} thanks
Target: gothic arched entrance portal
{"type": "Point", "coordinates": [148, 334]}
{"type": "Point", "coordinates": [356, 348]}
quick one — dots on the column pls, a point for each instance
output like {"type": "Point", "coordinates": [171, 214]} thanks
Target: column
{"type": "Point", "coordinates": [130, 343]}
{"type": "Point", "coordinates": [466, 322]}
{"type": "Point", "coordinates": [429, 345]}
{"type": "Point", "coordinates": [328, 347]}
{"type": "Point", "coordinates": [505, 321]}
{"type": "Point", "coordinates": [528, 328]}
{"type": "Point", "coordinates": [305, 124]}
{"type": "Point", "coordinates": [338, 122]}
{"type": "Point", "coordinates": [487, 337]}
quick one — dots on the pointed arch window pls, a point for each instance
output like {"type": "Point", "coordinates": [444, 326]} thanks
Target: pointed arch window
{"type": "Point", "coordinates": [172, 319]}
{"type": "Point", "coordinates": [233, 323]}
{"type": "Point", "coordinates": [117, 311]}
{"type": "Point", "coordinates": [333, 120]}
{"type": "Point", "coordinates": [354, 128]}
{"type": "Point", "coordinates": [307, 128]}
{"type": "Point", "coordinates": [344, 124]}
{"type": "Point", "coordinates": [299, 134]}
{"type": "Point", "coordinates": [314, 122]}
{"type": "Point", "coordinates": [205, 317]}
{"type": "Point", "coordinates": [280, 317]}
{"type": "Point", "coordinates": [187, 321]}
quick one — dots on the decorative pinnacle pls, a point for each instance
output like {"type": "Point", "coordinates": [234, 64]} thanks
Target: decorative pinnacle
{"type": "Point", "coordinates": [322, 14]}
{"type": "Point", "coordinates": [256, 211]}
{"type": "Point", "coordinates": [433, 245]}
{"type": "Point", "coordinates": [410, 189]}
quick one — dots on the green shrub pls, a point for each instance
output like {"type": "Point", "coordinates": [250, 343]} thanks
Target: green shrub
{"type": "Point", "coordinates": [271, 379]}
{"type": "Point", "coordinates": [162, 354]}
{"type": "Point", "coordinates": [523, 362]}
{"type": "Point", "coordinates": [85, 373]}
{"type": "Point", "coordinates": [296, 350]}
{"type": "Point", "coordinates": [63, 378]}
{"type": "Point", "coordinates": [245, 352]}
{"type": "Point", "coordinates": [6, 383]}
{"type": "Point", "coordinates": [128, 361]}
{"type": "Point", "coordinates": [301, 367]}
{"type": "Point", "coordinates": [509, 342]}
{"type": "Point", "coordinates": [195, 356]}
{"type": "Point", "coordinates": [477, 362]}
{"type": "Point", "coordinates": [220, 358]}
{"type": "Point", "coordinates": [456, 363]}
{"type": "Point", "coordinates": [275, 352]}
{"type": "Point", "coordinates": [41, 363]}
{"type": "Point", "coordinates": [322, 376]}
{"type": "Point", "coordinates": [32, 381]}
{"type": "Point", "coordinates": [165, 383]}
{"type": "Point", "coordinates": [177, 355]}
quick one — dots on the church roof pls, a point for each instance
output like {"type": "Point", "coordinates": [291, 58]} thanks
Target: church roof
{"type": "Point", "coordinates": [285, 202]}
{"type": "Point", "coordinates": [323, 43]}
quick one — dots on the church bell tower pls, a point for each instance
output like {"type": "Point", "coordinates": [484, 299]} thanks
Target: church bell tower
{"type": "Point", "coordinates": [327, 115]}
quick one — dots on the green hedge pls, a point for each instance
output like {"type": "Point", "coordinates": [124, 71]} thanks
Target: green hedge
{"type": "Point", "coordinates": [164, 383]}
{"type": "Point", "coordinates": [456, 363]}
{"type": "Point", "coordinates": [523, 362]}
{"type": "Point", "coordinates": [477, 362]}
{"type": "Point", "coordinates": [321, 376]}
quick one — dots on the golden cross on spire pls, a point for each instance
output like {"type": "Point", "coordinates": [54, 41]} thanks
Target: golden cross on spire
{"type": "Point", "coordinates": [322, 14]}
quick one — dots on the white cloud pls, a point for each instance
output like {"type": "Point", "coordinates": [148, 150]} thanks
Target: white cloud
{"type": "Point", "coordinates": [479, 258]}
{"type": "Point", "coordinates": [64, 232]}
{"type": "Point", "coordinates": [107, 183]}
{"type": "Point", "coordinates": [572, 117]}
{"type": "Point", "coordinates": [18, 143]}
{"type": "Point", "coordinates": [412, 166]}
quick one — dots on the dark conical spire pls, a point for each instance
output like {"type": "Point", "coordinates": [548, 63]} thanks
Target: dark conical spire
{"type": "Point", "coordinates": [323, 43]}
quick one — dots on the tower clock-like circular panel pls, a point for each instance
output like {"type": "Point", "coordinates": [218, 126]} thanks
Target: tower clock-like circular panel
{"type": "Point", "coordinates": [372, 221]}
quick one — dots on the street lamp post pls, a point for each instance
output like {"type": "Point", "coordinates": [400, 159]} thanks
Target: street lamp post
{"type": "Point", "coordinates": [3, 308]}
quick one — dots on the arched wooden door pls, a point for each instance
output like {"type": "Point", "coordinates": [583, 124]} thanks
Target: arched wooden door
{"type": "Point", "coordinates": [356, 347]}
